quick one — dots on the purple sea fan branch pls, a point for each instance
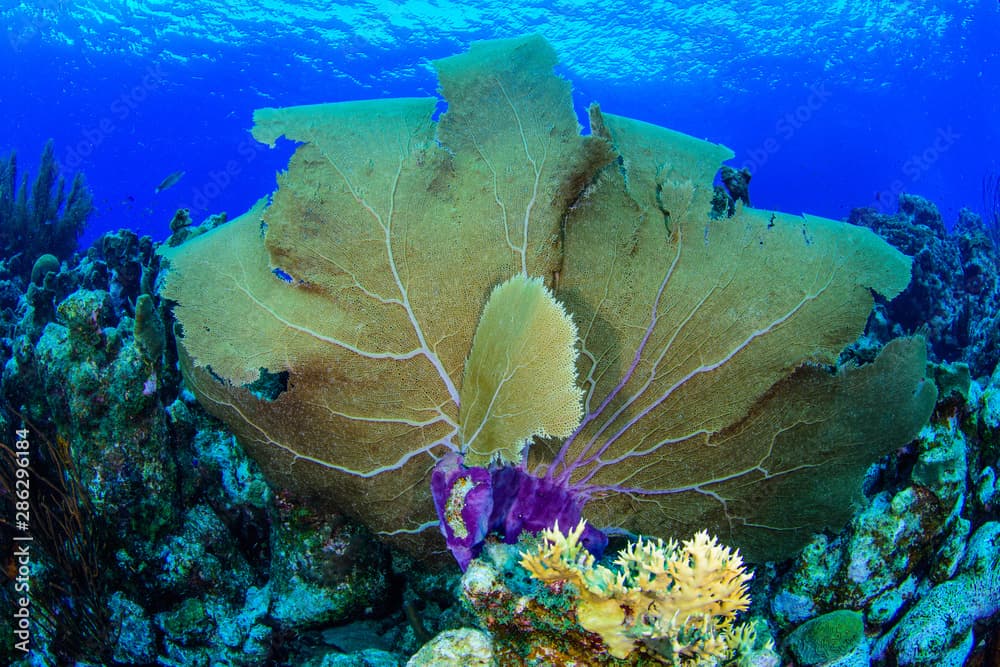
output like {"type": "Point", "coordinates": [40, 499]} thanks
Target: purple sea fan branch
{"type": "Point", "coordinates": [599, 464]}
{"type": "Point", "coordinates": [559, 460]}
{"type": "Point", "coordinates": [655, 404]}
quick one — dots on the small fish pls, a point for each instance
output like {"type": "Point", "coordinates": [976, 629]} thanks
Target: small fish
{"type": "Point", "coordinates": [169, 181]}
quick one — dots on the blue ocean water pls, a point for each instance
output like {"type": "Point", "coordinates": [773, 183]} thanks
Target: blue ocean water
{"type": "Point", "coordinates": [832, 105]}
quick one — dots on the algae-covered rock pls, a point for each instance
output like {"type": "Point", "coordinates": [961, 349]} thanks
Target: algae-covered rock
{"type": "Point", "coordinates": [830, 639]}
{"type": "Point", "coordinates": [953, 380]}
{"type": "Point", "coordinates": [86, 314]}
{"type": "Point", "coordinates": [136, 643]}
{"type": "Point", "coordinates": [95, 389]}
{"type": "Point", "coordinates": [938, 630]}
{"type": "Point", "coordinates": [150, 336]}
{"type": "Point", "coordinates": [202, 550]}
{"type": "Point", "coordinates": [885, 542]}
{"type": "Point", "coordinates": [212, 630]}
{"type": "Point", "coordinates": [465, 647]}
{"type": "Point", "coordinates": [941, 465]}
{"type": "Point", "coordinates": [187, 622]}
{"type": "Point", "coordinates": [330, 570]}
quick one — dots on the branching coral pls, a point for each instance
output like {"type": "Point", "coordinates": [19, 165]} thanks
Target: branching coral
{"type": "Point", "coordinates": [42, 219]}
{"type": "Point", "coordinates": [680, 600]}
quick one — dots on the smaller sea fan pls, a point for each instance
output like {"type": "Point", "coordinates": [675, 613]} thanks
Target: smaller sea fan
{"type": "Point", "coordinates": [520, 377]}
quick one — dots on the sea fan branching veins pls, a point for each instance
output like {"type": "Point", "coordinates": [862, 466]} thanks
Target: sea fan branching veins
{"type": "Point", "coordinates": [677, 376]}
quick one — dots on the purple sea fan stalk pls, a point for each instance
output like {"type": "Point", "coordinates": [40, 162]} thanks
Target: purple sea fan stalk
{"type": "Point", "coordinates": [474, 501]}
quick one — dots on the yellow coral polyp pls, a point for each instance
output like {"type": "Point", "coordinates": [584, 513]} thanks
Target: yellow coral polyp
{"type": "Point", "coordinates": [678, 599]}
{"type": "Point", "coordinates": [707, 579]}
{"type": "Point", "coordinates": [561, 557]}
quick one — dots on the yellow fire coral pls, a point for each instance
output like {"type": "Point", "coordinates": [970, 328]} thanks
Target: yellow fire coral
{"type": "Point", "coordinates": [678, 600]}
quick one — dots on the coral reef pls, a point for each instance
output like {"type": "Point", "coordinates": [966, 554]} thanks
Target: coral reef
{"type": "Point", "coordinates": [938, 629]}
{"type": "Point", "coordinates": [912, 579]}
{"type": "Point", "coordinates": [73, 377]}
{"type": "Point", "coordinates": [157, 539]}
{"type": "Point", "coordinates": [991, 205]}
{"type": "Point", "coordinates": [955, 294]}
{"type": "Point", "coordinates": [906, 562]}
{"type": "Point", "coordinates": [549, 603]}
{"type": "Point", "coordinates": [154, 534]}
